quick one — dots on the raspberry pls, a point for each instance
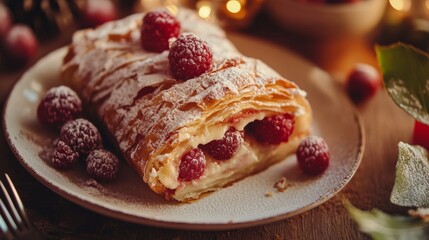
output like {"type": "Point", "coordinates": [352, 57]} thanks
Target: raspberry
{"type": "Point", "coordinates": [226, 147]}
{"type": "Point", "coordinates": [64, 156]}
{"type": "Point", "coordinates": [363, 82]}
{"type": "Point", "coordinates": [20, 45]}
{"type": "Point", "coordinates": [81, 135]}
{"type": "Point", "coordinates": [59, 105]}
{"type": "Point", "coordinates": [102, 165]}
{"type": "Point", "coordinates": [158, 27]}
{"type": "Point", "coordinates": [313, 155]}
{"type": "Point", "coordinates": [97, 12]}
{"type": "Point", "coordinates": [192, 165]}
{"type": "Point", "coordinates": [421, 134]}
{"type": "Point", "coordinates": [272, 130]}
{"type": "Point", "coordinates": [5, 21]}
{"type": "Point", "coordinates": [189, 57]}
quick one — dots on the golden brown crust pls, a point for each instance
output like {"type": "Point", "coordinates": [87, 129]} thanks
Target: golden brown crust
{"type": "Point", "coordinates": [151, 115]}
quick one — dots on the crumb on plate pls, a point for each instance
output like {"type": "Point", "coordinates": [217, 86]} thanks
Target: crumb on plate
{"type": "Point", "coordinates": [282, 184]}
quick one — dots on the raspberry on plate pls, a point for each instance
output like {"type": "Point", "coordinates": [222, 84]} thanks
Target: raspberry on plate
{"type": "Point", "coordinates": [313, 155]}
{"type": "Point", "coordinates": [81, 135]}
{"type": "Point", "coordinates": [224, 148]}
{"type": "Point", "coordinates": [158, 27]}
{"type": "Point", "coordinates": [189, 57]}
{"type": "Point", "coordinates": [59, 105]}
{"type": "Point", "coordinates": [102, 165]}
{"type": "Point", "coordinates": [64, 156]}
{"type": "Point", "coordinates": [272, 130]}
{"type": "Point", "coordinates": [192, 165]}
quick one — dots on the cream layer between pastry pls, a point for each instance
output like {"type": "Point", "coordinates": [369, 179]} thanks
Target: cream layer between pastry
{"type": "Point", "coordinates": [154, 118]}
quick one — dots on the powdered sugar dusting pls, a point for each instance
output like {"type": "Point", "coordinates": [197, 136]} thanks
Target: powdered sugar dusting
{"type": "Point", "coordinates": [246, 204]}
{"type": "Point", "coordinates": [313, 155]}
{"type": "Point", "coordinates": [59, 105]}
{"type": "Point", "coordinates": [112, 71]}
{"type": "Point", "coordinates": [407, 100]}
{"type": "Point", "coordinates": [411, 186]}
{"type": "Point", "coordinates": [81, 135]}
{"type": "Point", "coordinates": [102, 165]}
{"type": "Point", "coordinates": [189, 57]}
{"type": "Point", "coordinates": [314, 145]}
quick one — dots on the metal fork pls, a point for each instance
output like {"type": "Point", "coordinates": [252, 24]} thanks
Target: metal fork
{"type": "Point", "coordinates": [14, 222]}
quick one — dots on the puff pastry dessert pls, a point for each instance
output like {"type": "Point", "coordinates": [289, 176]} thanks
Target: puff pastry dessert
{"type": "Point", "coordinates": [158, 122]}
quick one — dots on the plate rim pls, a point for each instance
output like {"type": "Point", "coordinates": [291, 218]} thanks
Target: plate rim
{"type": "Point", "coordinates": [105, 211]}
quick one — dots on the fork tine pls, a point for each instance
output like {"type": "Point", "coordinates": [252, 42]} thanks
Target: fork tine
{"type": "Point", "coordinates": [4, 226]}
{"type": "Point", "coordinates": [11, 206]}
{"type": "Point", "coordinates": [22, 213]}
{"type": "Point", "coordinates": [5, 229]}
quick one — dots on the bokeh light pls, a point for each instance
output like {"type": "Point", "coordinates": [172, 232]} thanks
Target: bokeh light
{"type": "Point", "coordinates": [233, 6]}
{"type": "Point", "coordinates": [400, 5]}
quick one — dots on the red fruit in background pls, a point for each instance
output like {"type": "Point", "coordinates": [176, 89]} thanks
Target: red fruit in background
{"type": "Point", "coordinates": [5, 21]}
{"type": "Point", "coordinates": [20, 44]}
{"type": "Point", "coordinates": [96, 12]}
{"type": "Point", "coordinates": [363, 82]}
{"type": "Point", "coordinates": [421, 134]}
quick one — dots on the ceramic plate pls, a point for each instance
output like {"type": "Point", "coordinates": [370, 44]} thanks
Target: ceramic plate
{"type": "Point", "coordinates": [241, 205]}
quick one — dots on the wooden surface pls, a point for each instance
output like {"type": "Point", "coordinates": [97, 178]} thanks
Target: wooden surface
{"type": "Point", "coordinates": [384, 125]}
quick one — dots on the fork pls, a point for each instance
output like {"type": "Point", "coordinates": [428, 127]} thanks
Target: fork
{"type": "Point", "coordinates": [14, 222]}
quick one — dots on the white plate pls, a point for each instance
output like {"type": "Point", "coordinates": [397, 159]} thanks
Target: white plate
{"type": "Point", "coordinates": [240, 205]}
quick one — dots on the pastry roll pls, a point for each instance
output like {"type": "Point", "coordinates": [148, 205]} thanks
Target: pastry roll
{"type": "Point", "coordinates": [159, 122]}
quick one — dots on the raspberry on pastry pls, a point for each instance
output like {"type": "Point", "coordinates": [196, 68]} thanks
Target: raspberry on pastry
{"type": "Point", "coordinates": [157, 29]}
{"type": "Point", "coordinates": [189, 57]}
{"type": "Point", "coordinates": [190, 120]}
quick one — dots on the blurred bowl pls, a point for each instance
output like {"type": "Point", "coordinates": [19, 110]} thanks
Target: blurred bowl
{"type": "Point", "coordinates": [327, 20]}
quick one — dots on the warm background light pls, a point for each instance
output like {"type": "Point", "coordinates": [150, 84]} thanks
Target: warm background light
{"type": "Point", "coordinates": [148, 5]}
{"type": "Point", "coordinates": [400, 5]}
{"type": "Point", "coordinates": [233, 6]}
{"type": "Point", "coordinates": [204, 11]}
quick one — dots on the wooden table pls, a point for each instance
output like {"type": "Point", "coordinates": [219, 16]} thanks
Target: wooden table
{"type": "Point", "coordinates": [384, 125]}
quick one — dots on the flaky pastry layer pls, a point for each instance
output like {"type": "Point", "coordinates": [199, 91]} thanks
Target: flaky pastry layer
{"type": "Point", "coordinates": [154, 119]}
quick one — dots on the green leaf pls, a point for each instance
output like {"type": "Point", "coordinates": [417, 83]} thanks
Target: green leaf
{"type": "Point", "coordinates": [381, 226]}
{"type": "Point", "coordinates": [406, 78]}
{"type": "Point", "coordinates": [411, 186]}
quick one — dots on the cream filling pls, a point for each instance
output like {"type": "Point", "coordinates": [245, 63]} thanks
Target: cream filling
{"type": "Point", "coordinates": [168, 174]}
{"type": "Point", "coordinates": [246, 160]}
{"type": "Point", "coordinates": [251, 157]}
